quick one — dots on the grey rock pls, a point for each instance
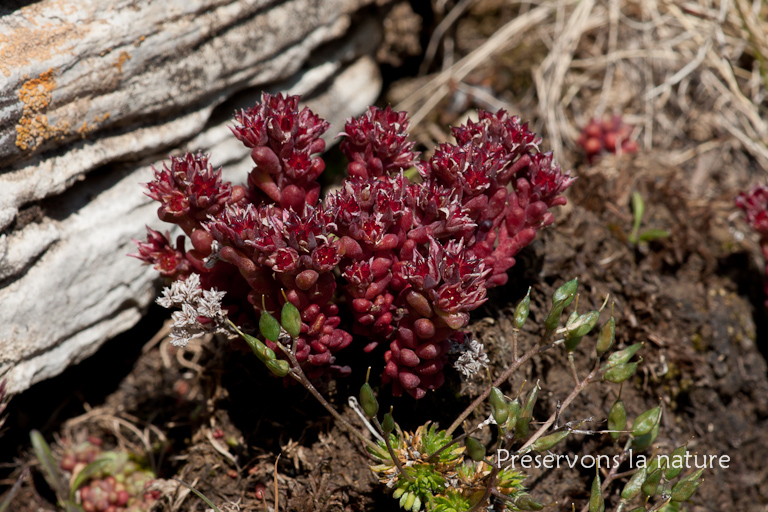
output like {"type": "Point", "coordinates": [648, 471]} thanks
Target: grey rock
{"type": "Point", "coordinates": [66, 285]}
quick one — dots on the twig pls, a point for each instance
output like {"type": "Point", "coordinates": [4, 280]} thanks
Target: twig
{"type": "Point", "coordinates": [439, 32]}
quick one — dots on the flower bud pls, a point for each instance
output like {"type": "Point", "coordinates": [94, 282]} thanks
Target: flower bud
{"type": "Point", "coordinates": [531, 401]}
{"type": "Point", "coordinates": [646, 421]}
{"type": "Point", "coordinates": [606, 338]}
{"type": "Point", "coordinates": [572, 343]}
{"type": "Point", "coordinates": [644, 441]}
{"type": "Point", "coordinates": [678, 454]}
{"type": "Point", "coordinates": [620, 373]}
{"type": "Point", "coordinates": [291, 319]}
{"type": "Point", "coordinates": [684, 489]}
{"type": "Point", "coordinates": [263, 352]}
{"type": "Point", "coordinates": [475, 449]}
{"type": "Point", "coordinates": [279, 367]}
{"type": "Point", "coordinates": [547, 442]}
{"type": "Point", "coordinates": [514, 414]}
{"type": "Point", "coordinates": [269, 326]}
{"type": "Point", "coordinates": [617, 419]}
{"type": "Point", "coordinates": [582, 325]}
{"type": "Point", "coordinates": [553, 318]}
{"type": "Point", "coordinates": [521, 427]}
{"type": "Point", "coordinates": [368, 401]}
{"type": "Point", "coordinates": [596, 501]}
{"type": "Point", "coordinates": [388, 424]}
{"type": "Point", "coordinates": [527, 503]}
{"type": "Point", "coordinates": [566, 293]}
{"type": "Point", "coordinates": [622, 356]}
{"type": "Point", "coordinates": [635, 484]}
{"type": "Point", "coordinates": [522, 310]}
{"type": "Point", "coordinates": [499, 406]}
{"type": "Point", "coordinates": [651, 484]}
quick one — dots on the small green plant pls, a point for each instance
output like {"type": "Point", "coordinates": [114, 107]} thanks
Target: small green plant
{"type": "Point", "coordinates": [439, 471]}
{"type": "Point", "coordinates": [647, 235]}
{"type": "Point", "coordinates": [101, 481]}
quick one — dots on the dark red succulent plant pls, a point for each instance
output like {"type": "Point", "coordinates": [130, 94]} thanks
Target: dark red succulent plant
{"type": "Point", "coordinates": [410, 259]}
{"type": "Point", "coordinates": [607, 136]}
{"type": "Point", "coordinates": [754, 204]}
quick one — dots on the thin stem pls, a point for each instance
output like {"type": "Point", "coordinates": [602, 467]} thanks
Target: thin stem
{"type": "Point", "coordinates": [515, 334]}
{"type": "Point", "coordinates": [391, 450]}
{"type": "Point", "coordinates": [572, 364]}
{"type": "Point", "coordinates": [576, 391]}
{"type": "Point", "coordinates": [298, 374]}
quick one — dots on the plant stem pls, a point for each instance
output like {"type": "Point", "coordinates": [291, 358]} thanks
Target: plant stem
{"type": "Point", "coordinates": [391, 451]}
{"type": "Point", "coordinates": [572, 364]}
{"type": "Point", "coordinates": [298, 374]}
{"type": "Point", "coordinates": [576, 391]}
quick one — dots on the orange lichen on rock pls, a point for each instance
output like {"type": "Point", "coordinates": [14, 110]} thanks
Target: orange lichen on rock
{"type": "Point", "coordinates": [121, 60]}
{"type": "Point", "coordinates": [86, 128]}
{"type": "Point", "coordinates": [33, 127]}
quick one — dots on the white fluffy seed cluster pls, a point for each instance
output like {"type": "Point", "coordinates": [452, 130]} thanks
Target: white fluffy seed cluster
{"type": "Point", "coordinates": [471, 357]}
{"type": "Point", "coordinates": [194, 303]}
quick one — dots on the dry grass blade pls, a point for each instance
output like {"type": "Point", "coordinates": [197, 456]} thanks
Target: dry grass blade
{"type": "Point", "coordinates": [681, 72]}
{"type": "Point", "coordinates": [436, 89]}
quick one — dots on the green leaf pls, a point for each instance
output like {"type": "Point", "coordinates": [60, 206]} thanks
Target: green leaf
{"type": "Point", "coordinates": [623, 356]}
{"type": "Point", "coordinates": [620, 373]}
{"type": "Point", "coordinates": [582, 325]}
{"type": "Point", "coordinates": [199, 494]}
{"type": "Point", "coordinates": [679, 454]}
{"type": "Point", "coordinates": [635, 484]}
{"type": "Point", "coordinates": [527, 503]}
{"type": "Point", "coordinates": [606, 338]}
{"type": "Point", "coordinates": [522, 310]}
{"type": "Point", "coordinates": [48, 463]}
{"type": "Point", "coordinates": [617, 419]}
{"type": "Point", "coordinates": [653, 234]}
{"type": "Point", "coordinates": [90, 470]}
{"type": "Point", "coordinates": [499, 406]}
{"type": "Point", "coordinates": [368, 401]}
{"type": "Point", "coordinates": [684, 489]}
{"type": "Point", "coordinates": [651, 484]}
{"type": "Point", "coordinates": [475, 449]}
{"type": "Point", "coordinates": [596, 501]}
{"type": "Point", "coordinates": [566, 292]}
{"type": "Point", "coordinates": [646, 421]}
{"type": "Point", "coordinates": [643, 442]}
{"type": "Point", "coordinates": [547, 442]}
{"type": "Point", "coordinates": [279, 367]}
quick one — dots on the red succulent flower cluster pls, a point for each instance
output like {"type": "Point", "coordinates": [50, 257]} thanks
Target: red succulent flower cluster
{"type": "Point", "coordinates": [284, 140]}
{"type": "Point", "coordinates": [754, 204]}
{"type": "Point", "coordinates": [411, 259]}
{"type": "Point", "coordinates": [609, 136]}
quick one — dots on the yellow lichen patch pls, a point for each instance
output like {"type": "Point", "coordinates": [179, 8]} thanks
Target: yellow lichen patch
{"type": "Point", "coordinates": [121, 60]}
{"type": "Point", "coordinates": [35, 95]}
{"type": "Point", "coordinates": [85, 128]}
